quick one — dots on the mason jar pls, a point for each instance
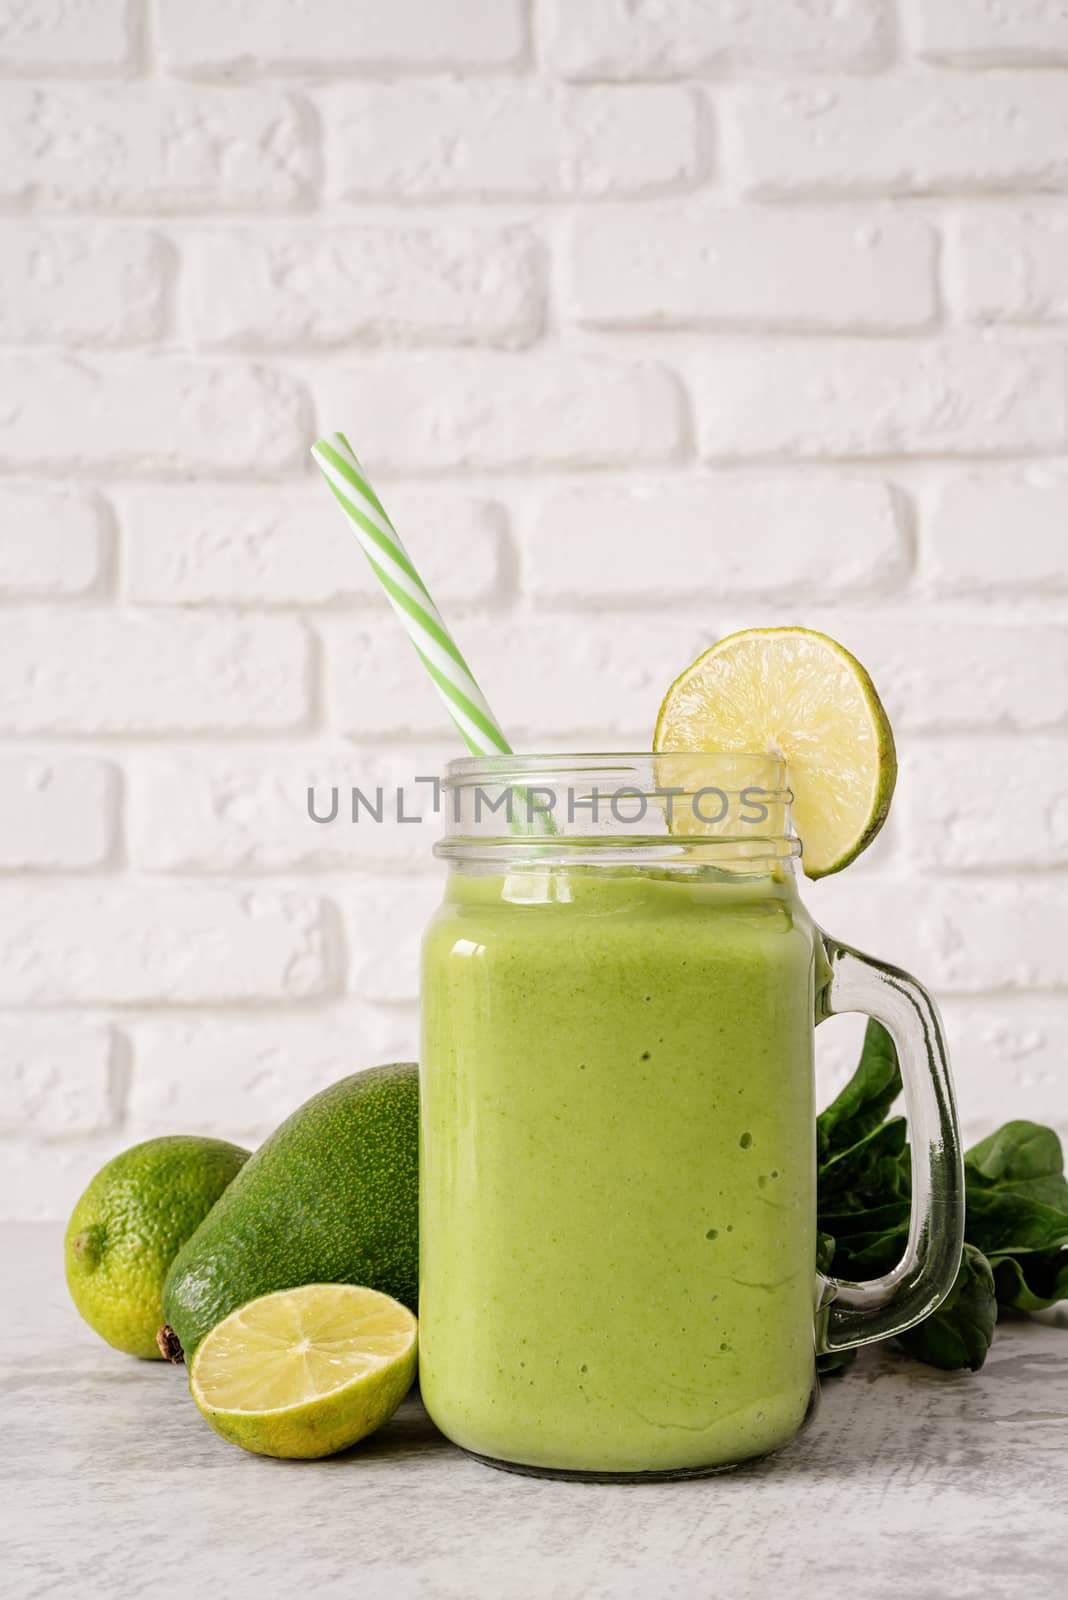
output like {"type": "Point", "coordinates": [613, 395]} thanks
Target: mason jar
{"type": "Point", "coordinates": [618, 1156]}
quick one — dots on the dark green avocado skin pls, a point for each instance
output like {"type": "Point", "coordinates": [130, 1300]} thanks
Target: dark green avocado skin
{"type": "Point", "coordinates": [331, 1197]}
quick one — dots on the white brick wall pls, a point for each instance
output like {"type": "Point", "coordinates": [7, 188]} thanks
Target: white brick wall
{"type": "Point", "coordinates": [220, 37]}
{"type": "Point", "coordinates": [56, 812]}
{"type": "Point", "coordinates": [877, 398]}
{"type": "Point", "coordinates": [155, 147]}
{"type": "Point", "coordinates": [508, 138]}
{"type": "Point", "coordinates": [81, 285]}
{"type": "Point", "coordinates": [364, 285]}
{"type": "Point", "coordinates": [650, 321]}
{"type": "Point", "coordinates": [53, 36]}
{"type": "Point", "coordinates": [147, 414]}
{"type": "Point", "coordinates": [989, 33]}
{"type": "Point", "coordinates": [1010, 268]}
{"type": "Point", "coordinates": [906, 133]}
{"type": "Point", "coordinates": [53, 541]}
{"type": "Point", "coordinates": [803, 270]}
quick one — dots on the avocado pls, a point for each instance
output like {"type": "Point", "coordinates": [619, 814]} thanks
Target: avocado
{"type": "Point", "coordinates": [331, 1197]}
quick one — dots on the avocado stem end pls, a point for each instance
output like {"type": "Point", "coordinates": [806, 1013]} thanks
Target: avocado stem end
{"type": "Point", "coordinates": [170, 1346]}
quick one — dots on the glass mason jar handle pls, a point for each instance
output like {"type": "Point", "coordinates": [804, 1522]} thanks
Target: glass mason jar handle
{"type": "Point", "coordinates": [858, 1313]}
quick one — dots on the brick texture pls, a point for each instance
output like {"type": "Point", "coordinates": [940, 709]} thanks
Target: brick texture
{"type": "Point", "coordinates": [148, 415]}
{"type": "Point", "coordinates": [617, 39]}
{"type": "Point", "coordinates": [430, 413]}
{"type": "Point", "coordinates": [430, 285]}
{"type": "Point", "coordinates": [939, 675]}
{"type": "Point", "coordinates": [982, 804]}
{"type": "Point", "coordinates": [999, 536]}
{"type": "Point", "coordinates": [227, 813]}
{"type": "Point", "coordinates": [238, 1079]}
{"type": "Point", "coordinates": [863, 399]}
{"type": "Point", "coordinates": [772, 536]}
{"type": "Point", "coordinates": [155, 148]}
{"type": "Point", "coordinates": [65, 946]}
{"type": "Point", "coordinates": [53, 542]}
{"type": "Point", "coordinates": [224, 37]}
{"type": "Point", "coordinates": [447, 140]}
{"type": "Point", "coordinates": [606, 677]}
{"type": "Point", "coordinates": [651, 320]}
{"type": "Point", "coordinates": [902, 135]}
{"type": "Point", "coordinates": [56, 813]}
{"type": "Point", "coordinates": [92, 673]}
{"type": "Point", "coordinates": [54, 37]}
{"type": "Point", "coordinates": [965, 939]}
{"type": "Point", "coordinates": [82, 286]}
{"type": "Point", "coordinates": [57, 1078]}
{"type": "Point", "coordinates": [989, 33]}
{"type": "Point", "coordinates": [1011, 268]}
{"type": "Point", "coordinates": [679, 269]}
{"type": "Point", "coordinates": [232, 545]}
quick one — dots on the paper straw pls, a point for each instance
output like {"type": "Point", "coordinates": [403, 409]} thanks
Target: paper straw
{"type": "Point", "coordinates": [410, 598]}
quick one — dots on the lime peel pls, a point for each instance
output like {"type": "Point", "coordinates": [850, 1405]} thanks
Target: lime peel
{"type": "Point", "coordinates": [129, 1225]}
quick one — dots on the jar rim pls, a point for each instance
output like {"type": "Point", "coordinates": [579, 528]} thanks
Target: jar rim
{"type": "Point", "coordinates": [691, 805]}
{"type": "Point", "coordinates": [462, 770]}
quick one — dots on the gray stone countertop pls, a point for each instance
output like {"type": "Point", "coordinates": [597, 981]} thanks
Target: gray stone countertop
{"type": "Point", "coordinates": [908, 1483]}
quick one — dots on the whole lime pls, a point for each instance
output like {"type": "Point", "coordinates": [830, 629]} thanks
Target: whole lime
{"type": "Point", "coordinates": [130, 1224]}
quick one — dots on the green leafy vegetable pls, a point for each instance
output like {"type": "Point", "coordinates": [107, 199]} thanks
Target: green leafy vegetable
{"type": "Point", "coordinates": [1021, 1158]}
{"type": "Point", "coordinates": [1032, 1283]}
{"type": "Point", "coordinates": [871, 1171]}
{"type": "Point", "coordinates": [1016, 1229]}
{"type": "Point", "coordinates": [835, 1361]}
{"type": "Point", "coordinates": [1007, 1224]}
{"type": "Point", "coordinates": [1018, 1213]}
{"type": "Point", "coordinates": [866, 1098]}
{"type": "Point", "coordinates": [960, 1332]}
{"type": "Point", "coordinates": [875, 1250]}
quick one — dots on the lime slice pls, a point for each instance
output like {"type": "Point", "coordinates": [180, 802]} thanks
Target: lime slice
{"type": "Point", "coordinates": [305, 1372]}
{"type": "Point", "coordinates": [801, 695]}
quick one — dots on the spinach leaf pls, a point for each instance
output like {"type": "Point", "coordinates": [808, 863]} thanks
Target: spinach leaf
{"type": "Point", "coordinates": [824, 1252]}
{"type": "Point", "coordinates": [1002, 1223]}
{"type": "Point", "coordinates": [960, 1332]}
{"type": "Point", "coordinates": [1032, 1283]}
{"type": "Point", "coordinates": [872, 1171]}
{"type": "Point", "coordinates": [1021, 1158]}
{"type": "Point", "coordinates": [1017, 1199]}
{"type": "Point", "coordinates": [835, 1361]}
{"type": "Point", "coordinates": [867, 1243]}
{"type": "Point", "coordinates": [866, 1098]}
{"type": "Point", "coordinates": [876, 1219]}
{"type": "Point", "coordinates": [870, 1255]}
{"type": "Point", "coordinates": [1016, 1229]}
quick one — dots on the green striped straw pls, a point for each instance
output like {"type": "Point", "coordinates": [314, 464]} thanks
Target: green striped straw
{"type": "Point", "coordinates": [410, 598]}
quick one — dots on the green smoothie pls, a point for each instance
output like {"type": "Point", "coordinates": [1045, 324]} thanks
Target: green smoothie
{"type": "Point", "coordinates": [618, 1167]}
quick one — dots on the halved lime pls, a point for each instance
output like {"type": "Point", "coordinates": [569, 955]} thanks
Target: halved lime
{"type": "Point", "coordinates": [802, 695]}
{"type": "Point", "coordinates": [305, 1372]}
